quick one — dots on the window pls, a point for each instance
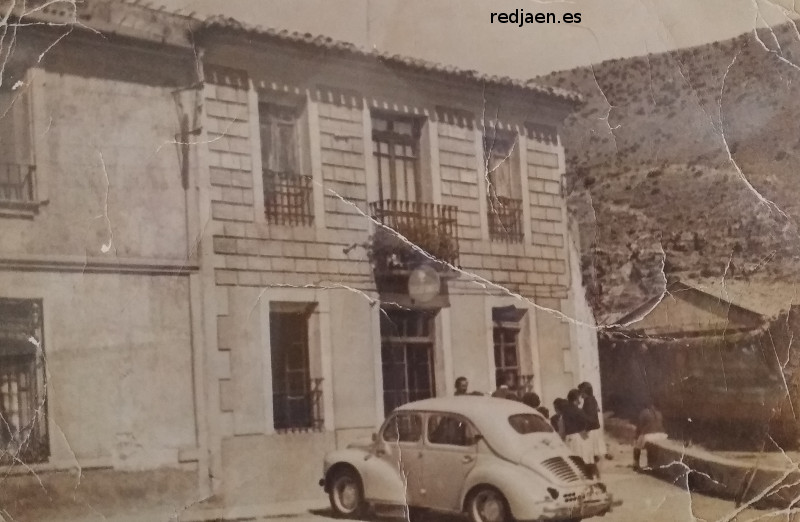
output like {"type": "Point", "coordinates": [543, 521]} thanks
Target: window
{"type": "Point", "coordinates": [296, 394]}
{"type": "Point", "coordinates": [525, 423]}
{"type": "Point", "coordinates": [23, 411]}
{"type": "Point", "coordinates": [507, 325]}
{"type": "Point", "coordinates": [17, 172]}
{"type": "Point", "coordinates": [288, 192]}
{"type": "Point", "coordinates": [395, 141]}
{"type": "Point", "coordinates": [404, 427]}
{"type": "Point", "coordinates": [504, 209]}
{"type": "Point", "coordinates": [450, 430]}
{"type": "Point", "coordinates": [407, 357]}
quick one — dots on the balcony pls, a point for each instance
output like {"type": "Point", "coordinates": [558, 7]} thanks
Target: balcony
{"type": "Point", "coordinates": [288, 198]}
{"type": "Point", "coordinates": [430, 227]}
{"type": "Point", "coordinates": [505, 219]}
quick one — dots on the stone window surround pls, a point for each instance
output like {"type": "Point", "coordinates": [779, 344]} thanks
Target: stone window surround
{"type": "Point", "coordinates": [308, 125]}
{"type": "Point", "coordinates": [527, 346]}
{"type": "Point", "coordinates": [320, 345]}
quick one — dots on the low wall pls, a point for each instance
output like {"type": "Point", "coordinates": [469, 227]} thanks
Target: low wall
{"type": "Point", "coordinates": [699, 470]}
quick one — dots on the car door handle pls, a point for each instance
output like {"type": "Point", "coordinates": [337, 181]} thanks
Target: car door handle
{"type": "Point", "coordinates": [466, 459]}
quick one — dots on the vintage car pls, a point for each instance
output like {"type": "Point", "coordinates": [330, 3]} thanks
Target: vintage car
{"type": "Point", "coordinates": [494, 459]}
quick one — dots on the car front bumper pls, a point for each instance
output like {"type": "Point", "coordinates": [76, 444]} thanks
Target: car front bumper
{"type": "Point", "coordinates": [591, 507]}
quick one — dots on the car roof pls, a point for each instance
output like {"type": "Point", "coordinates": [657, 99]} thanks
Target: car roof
{"type": "Point", "coordinates": [486, 414]}
{"type": "Point", "coordinates": [473, 407]}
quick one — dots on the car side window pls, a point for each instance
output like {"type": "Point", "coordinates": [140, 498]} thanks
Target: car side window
{"type": "Point", "coordinates": [403, 427]}
{"type": "Point", "coordinates": [449, 430]}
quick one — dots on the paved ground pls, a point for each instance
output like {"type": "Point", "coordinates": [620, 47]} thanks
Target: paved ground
{"type": "Point", "coordinates": [645, 499]}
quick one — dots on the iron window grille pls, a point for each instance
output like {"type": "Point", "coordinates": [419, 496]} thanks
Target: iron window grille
{"type": "Point", "coordinates": [504, 211]}
{"type": "Point", "coordinates": [23, 385]}
{"type": "Point", "coordinates": [17, 183]}
{"type": "Point", "coordinates": [429, 226]}
{"type": "Point", "coordinates": [505, 219]}
{"type": "Point", "coordinates": [288, 193]}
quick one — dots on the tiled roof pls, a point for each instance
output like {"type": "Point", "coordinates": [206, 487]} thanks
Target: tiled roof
{"type": "Point", "coordinates": [329, 44]}
{"type": "Point", "coordinates": [153, 22]}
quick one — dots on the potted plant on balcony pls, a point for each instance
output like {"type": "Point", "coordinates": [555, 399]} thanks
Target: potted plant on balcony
{"type": "Point", "coordinates": [410, 245]}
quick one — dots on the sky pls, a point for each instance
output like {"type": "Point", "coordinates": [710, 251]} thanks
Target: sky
{"type": "Point", "coordinates": [459, 32]}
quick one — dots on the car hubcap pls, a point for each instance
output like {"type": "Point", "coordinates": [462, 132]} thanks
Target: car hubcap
{"type": "Point", "coordinates": [489, 507]}
{"type": "Point", "coordinates": [347, 492]}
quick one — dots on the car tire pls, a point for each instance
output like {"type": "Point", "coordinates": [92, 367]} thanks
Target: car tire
{"type": "Point", "coordinates": [346, 494]}
{"type": "Point", "coordinates": [487, 504]}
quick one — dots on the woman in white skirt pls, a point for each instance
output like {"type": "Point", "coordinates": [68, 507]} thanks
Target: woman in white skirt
{"type": "Point", "coordinates": [592, 410]}
{"type": "Point", "coordinates": [576, 430]}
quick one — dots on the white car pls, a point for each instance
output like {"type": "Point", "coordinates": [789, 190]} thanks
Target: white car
{"type": "Point", "coordinates": [494, 459]}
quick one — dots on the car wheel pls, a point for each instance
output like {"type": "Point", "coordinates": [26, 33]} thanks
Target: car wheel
{"type": "Point", "coordinates": [488, 505]}
{"type": "Point", "coordinates": [347, 494]}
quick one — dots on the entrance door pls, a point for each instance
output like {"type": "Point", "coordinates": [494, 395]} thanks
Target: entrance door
{"type": "Point", "coordinates": [407, 341]}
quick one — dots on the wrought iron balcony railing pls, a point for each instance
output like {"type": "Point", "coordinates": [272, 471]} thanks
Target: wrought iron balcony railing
{"type": "Point", "coordinates": [17, 183]}
{"type": "Point", "coordinates": [298, 407]}
{"type": "Point", "coordinates": [288, 198]}
{"type": "Point", "coordinates": [505, 219]}
{"type": "Point", "coordinates": [430, 227]}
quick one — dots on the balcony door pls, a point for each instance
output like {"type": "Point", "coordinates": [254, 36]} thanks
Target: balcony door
{"type": "Point", "coordinates": [395, 141]}
{"type": "Point", "coordinates": [407, 341]}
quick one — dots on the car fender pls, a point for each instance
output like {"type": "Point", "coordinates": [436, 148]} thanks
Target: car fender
{"type": "Point", "coordinates": [524, 489]}
{"type": "Point", "coordinates": [382, 482]}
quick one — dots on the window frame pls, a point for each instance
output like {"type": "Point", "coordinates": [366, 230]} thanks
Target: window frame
{"type": "Point", "coordinates": [504, 211]}
{"type": "Point", "coordinates": [425, 324]}
{"type": "Point", "coordinates": [22, 153]}
{"type": "Point", "coordinates": [310, 394]}
{"type": "Point", "coordinates": [420, 437]}
{"type": "Point", "coordinates": [469, 436]}
{"type": "Point", "coordinates": [501, 369]}
{"type": "Point", "coordinates": [392, 139]}
{"type": "Point", "coordinates": [288, 190]}
{"type": "Point", "coordinates": [36, 443]}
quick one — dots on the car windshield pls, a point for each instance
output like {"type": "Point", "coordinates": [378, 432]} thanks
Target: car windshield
{"type": "Point", "coordinates": [524, 423]}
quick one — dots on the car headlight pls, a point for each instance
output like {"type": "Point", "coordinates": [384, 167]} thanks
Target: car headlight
{"type": "Point", "coordinates": [553, 492]}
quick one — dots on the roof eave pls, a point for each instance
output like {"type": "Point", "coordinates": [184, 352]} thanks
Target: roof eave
{"type": "Point", "coordinates": [570, 101]}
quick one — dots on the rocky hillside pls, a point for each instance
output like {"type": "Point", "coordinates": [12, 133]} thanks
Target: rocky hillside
{"type": "Point", "coordinates": [687, 163]}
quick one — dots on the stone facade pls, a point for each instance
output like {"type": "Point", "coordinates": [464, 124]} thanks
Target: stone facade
{"type": "Point", "coordinates": [196, 262]}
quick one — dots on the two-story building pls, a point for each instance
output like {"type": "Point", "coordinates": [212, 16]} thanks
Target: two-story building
{"type": "Point", "coordinates": [231, 249]}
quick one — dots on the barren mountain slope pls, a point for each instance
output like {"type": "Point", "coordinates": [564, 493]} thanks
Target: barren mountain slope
{"type": "Point", "coordinates": [689, 161]}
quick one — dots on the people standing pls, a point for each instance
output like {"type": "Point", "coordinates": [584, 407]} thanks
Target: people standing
{"type": "Point", "coordinates": [649, 428]}
{"type": "Point", "coordinates": [592, 410]}
{"type": "Point", "coordinates": [557, 421]}
{"type": "Point", "coordinates": [532, 400]}
{"type": "Point", "coordinates": [507, 388]}
{"type": "Point", "coordinates": [576, 430]}
{"type": "Point", "coordinates": [462, 386]}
